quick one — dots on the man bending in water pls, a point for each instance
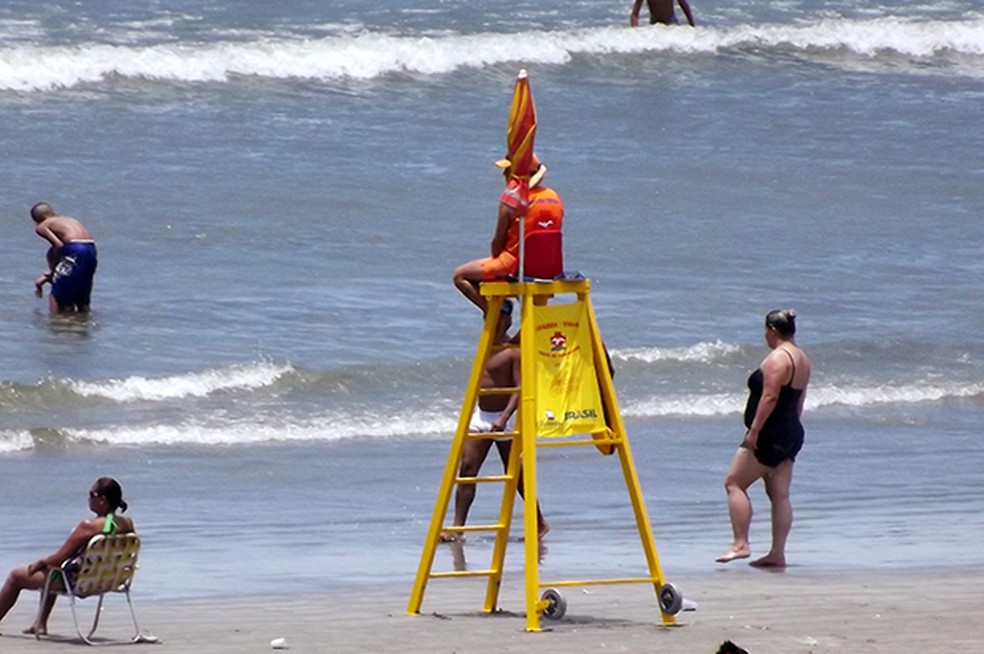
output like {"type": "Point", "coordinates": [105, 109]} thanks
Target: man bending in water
{"type": "Point", "coordinates": [71, 260]}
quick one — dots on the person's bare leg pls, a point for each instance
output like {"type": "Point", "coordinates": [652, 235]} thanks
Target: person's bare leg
{"type": "Point", "coordinates": [542, 527]}
{"type": "Point", "coordinates": [9, 593]}
{"type": "Point", "coordinates": [18, 580]}
{"type": "Point", "coordinates": [42, 629]}
{"type": "Point", "coordinates": [466, 279]}
{"type": "Point", "coordinates": [745, 469]}
{"type": "Point", "coordinates": [777, 484]}
{"type": "Point", "coordinates": [472, 457]}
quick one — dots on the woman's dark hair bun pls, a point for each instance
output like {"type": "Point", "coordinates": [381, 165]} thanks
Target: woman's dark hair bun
{"type": "Point", "coordinates": [782, 320]}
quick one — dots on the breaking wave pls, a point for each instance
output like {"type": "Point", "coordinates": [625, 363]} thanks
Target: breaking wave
{"type": "Point", "coordinates": [195, 384]}
{"type": "Point", "coordinates": [373, 424]}
{"type": "Point", "coordinates": [343, 426]}
{"type": "Point", "coordinates": [32, 66]}
{"type": "Point", "coordinates": [15, 441]}
{"type": "Point", "coordinates": [699, 353]}
{"type": "Point", "coordinates": [818, 397]}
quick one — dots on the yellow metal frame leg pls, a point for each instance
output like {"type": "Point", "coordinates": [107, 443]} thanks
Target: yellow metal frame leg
{"type": "Point", "coordinates": [527, 431]}
{"type": "Point", "coordinates": [454, 457]}
{"type": "Point", "coordinates": [628, 465]}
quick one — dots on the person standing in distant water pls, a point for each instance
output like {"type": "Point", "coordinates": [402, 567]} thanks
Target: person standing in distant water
{"type": "Point", "coordinates": [71, 260]}
{"type": "Point", "coordinates": [544, 209]}
{"type": "Point", "coordinates": [776, 391]}
{"type": "Point", "coordinates": [661, 11]}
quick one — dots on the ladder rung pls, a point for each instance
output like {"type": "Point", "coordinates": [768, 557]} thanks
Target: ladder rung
{"type": "Point", "coordinates": [601, 582]}
{"type": "Point", "coordinates": [485, 435]}
{"type": "Point", "coordinates": [481, 480]}
{"type": "Point", "coordinates": [600, 441]}
{"type": "Point", "coordinates": [463, 528]}
{"type": "Point", "coordinates": [462, 573]}
{"type": "Point", "coordinates": [498, 390]}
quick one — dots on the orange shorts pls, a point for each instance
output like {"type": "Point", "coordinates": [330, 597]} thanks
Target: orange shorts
{"type": "Point", "coordinates": [498, 267]}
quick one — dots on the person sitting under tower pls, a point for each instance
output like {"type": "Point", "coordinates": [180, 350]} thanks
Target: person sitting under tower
{"type": "Point", "coordinates": [495, 413]}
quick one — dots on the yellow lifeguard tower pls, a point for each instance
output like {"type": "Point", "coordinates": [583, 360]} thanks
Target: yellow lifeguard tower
{"type": "Point", "coordinates": [567, 399]}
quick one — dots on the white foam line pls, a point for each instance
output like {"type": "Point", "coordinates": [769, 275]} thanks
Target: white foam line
{"type": "Point", "coordinates": [817, 397]}
{"type": "Point", "coordinates": [197, 384]}
{"type": "Point", "coordinates": [15, 441]}
{"type": "Point", "coordinates": [337, 428]}
{"type": "Point", "coordinates": [39, 67]}
{"type": "Point", "coordinates": [701, 352]}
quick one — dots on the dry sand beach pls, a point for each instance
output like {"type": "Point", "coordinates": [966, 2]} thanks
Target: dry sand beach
{"type": "Point", "coordinates": [898, 611]}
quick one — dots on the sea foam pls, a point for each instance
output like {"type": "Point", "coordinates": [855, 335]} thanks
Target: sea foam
{"type": "Point", "coordinates": [15, 441]}
{"type": "Point", "coordinates": [36, 66]}
{"type": "Point", "coordinates": [325, 428]}
{"type": "Point", "coordinates": [373, 425]}
{"type": "Point", "coordinates": [818, 396]}
{"type": "Point", "coordinates": [705, 352]}
{"type": "Point", "coordinates": [196, 384]}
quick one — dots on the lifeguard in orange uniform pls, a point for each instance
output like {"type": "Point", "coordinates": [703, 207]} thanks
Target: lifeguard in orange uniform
{"type": "Point", "coordinates": [544, 211]}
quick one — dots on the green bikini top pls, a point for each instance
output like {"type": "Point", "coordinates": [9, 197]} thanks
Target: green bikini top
{"type": "Point", "coordinates": [110, 527]}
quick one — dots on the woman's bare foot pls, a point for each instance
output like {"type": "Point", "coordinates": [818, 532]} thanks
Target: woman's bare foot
{"type": "Point", "coordinates": [769, 561]}
{"type": "Point", "coordinates": [734, 554]}
{"type": "Point", "coordinates": [41, 631]}
{"type": "Point", "coordinates": [451, 537]}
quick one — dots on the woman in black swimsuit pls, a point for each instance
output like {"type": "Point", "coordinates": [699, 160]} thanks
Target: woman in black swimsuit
{"type": "Point", "coordinates": [776, 391]}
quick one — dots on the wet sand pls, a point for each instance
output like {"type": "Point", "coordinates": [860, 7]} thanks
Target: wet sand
{"type": "Point", "coordinates": [900, 611]}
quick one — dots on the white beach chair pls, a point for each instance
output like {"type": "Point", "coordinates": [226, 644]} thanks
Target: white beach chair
{"type": "Point", "coordinates": [107, 565]}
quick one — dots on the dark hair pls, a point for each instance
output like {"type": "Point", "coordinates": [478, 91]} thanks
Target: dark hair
{"type": "Point", "coordinates": [782, 320]}
{"type": "Point", "coordinates": [41, 210]}
{"type": "Point", "coordinates": [112, 491]}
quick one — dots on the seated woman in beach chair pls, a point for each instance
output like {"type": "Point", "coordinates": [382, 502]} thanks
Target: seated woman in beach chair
{"type": "Point", "coordinates": [105, 498]}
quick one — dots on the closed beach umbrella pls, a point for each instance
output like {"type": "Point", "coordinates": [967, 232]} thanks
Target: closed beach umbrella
{"type": "Point", "coordinates": [520, 130]}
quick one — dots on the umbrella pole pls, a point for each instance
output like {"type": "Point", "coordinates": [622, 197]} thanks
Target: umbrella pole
{"type": "Point", "coordinates": [522, 248]}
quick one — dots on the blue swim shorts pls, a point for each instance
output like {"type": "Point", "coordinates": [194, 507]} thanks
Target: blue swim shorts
{"type": "Point", "coordinates": [71, 285]}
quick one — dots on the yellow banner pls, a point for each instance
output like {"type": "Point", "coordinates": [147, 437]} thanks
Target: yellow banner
{"type": "Point", "coordinates": [568, 399]}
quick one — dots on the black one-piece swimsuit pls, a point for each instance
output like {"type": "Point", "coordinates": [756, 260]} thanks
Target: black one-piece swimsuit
{"type": "Point", "coordinates": [782, 434]}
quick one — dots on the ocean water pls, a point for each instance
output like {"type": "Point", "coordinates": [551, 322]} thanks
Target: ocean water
{"type": "Point", "coordinates": [280, 192]}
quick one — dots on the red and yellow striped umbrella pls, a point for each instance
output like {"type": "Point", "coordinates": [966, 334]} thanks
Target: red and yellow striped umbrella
{"type": "Point", "coordinates": [521, 128]}
{"type": "Point", "coordinates": [520, 131]}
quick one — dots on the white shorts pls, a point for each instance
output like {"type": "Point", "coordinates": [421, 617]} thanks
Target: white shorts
{"type": "Point", "coordinates": [482, 422]}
